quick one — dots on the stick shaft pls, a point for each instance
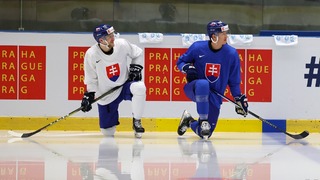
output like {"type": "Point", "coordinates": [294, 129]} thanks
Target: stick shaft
{"type": "Point", "coordinates": [24, 135]}
{"type": "Point", "coordinates": [295, 136]}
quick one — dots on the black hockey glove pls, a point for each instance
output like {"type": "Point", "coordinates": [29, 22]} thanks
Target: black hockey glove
{"type": "Point", "coordinates": [87, 100]}
{"type": "Point", "coordinates": [191, 72]}
{"type": "Point", "coordinates": [242, 101]}
{"type": "Point", "coordinates": [135, 72]}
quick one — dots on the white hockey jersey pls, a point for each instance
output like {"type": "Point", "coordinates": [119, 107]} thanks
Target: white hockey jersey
{"type": "Point", "coordinates": [103, 72]}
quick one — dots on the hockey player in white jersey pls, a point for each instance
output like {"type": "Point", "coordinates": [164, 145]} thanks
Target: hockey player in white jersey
{"type": "Point", "coordinates": [109, 63]}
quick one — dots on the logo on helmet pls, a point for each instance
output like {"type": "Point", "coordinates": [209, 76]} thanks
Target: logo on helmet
{"type": "Point", "coordinates": [224, 28]}
{"type": "Point", "coordinates": [110, 30]}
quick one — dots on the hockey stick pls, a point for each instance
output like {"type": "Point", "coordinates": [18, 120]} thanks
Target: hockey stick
{"type": "Point", "coordinates": [25, 135]}
{"type": "Point", "coordinates": [294, 136]}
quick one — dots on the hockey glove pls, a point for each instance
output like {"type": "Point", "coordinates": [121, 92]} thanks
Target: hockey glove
{"type": "Point", "coordinates": [87, 100]}
{"type": "Point", "coordinates": [135, 72]}
{"type": "Point", "coordinates": [191, 72]}
{"type": "Point", "coordinates": [242, 101]}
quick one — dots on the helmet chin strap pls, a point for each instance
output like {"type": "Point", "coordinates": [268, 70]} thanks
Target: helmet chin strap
{"type": "Point", "coordinates": [215, 41]}
{"type": "Point", "coordinates": [106, 45]}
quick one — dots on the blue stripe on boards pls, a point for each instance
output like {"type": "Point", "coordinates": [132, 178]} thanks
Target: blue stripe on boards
{"type": "Point", "coordinates": [280, 123]}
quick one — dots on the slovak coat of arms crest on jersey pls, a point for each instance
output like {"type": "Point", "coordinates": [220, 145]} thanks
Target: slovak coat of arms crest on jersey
{"type": "Point", "coordinates": [113, 72]}
{"type": "Point", "coordinates": [212, 72]}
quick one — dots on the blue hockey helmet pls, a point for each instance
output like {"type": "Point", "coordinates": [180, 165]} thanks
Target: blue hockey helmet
{"type": "Point", "coordinates": [215, 27]}
{"type": "Point", "coordinates": [102, 30]}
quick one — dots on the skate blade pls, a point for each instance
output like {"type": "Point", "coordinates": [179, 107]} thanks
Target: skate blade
{"type": "Point", "coordinates": [138, 135]}
{"type": "Point", "coordinates": [205, 138]}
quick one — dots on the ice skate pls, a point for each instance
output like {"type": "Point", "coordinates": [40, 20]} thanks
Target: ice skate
{"type": "Point", "coordinates": [205, 129]}
{"type": "Point", "coordinates": [137, 127]}
{"type": "Point", "coordinates": [184, 122]}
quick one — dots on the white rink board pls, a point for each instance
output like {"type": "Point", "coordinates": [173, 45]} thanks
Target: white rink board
{"type": "Point", "coordinates": [291, 98]}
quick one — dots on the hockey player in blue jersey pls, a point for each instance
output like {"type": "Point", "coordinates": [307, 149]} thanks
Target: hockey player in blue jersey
{"type": "Point", "coordinates": [210, 65]}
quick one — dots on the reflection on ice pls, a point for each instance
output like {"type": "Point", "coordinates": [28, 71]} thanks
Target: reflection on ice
{"type": "Point", "coordinates": [159, 156]}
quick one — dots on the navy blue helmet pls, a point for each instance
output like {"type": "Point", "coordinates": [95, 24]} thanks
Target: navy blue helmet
{"type": "Point", "coordinates": [215, 27]}
{"type": "Point", "coordinates": [102, 30]}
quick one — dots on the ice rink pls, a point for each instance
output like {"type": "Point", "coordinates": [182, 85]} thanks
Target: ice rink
{"type": "Point", "coordinates": [70, 155]}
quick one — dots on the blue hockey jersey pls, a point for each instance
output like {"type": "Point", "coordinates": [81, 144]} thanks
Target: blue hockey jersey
{"type": "Point", "coordinates": [220, 67]}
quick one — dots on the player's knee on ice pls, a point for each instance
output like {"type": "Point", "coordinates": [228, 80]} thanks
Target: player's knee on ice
{"type": "Point", "coordinates": [108, 131]}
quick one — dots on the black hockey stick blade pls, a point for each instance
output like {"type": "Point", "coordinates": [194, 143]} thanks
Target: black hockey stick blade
{"type": "Point", "coordinates": [294, 136]}
{"type": "Point", "coordinates": [299, 136]}
{"type": "Point", "coordinates": [26, 135]}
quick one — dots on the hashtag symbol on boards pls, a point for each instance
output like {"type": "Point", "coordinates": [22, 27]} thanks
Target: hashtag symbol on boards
{"type": "Point", "coordinates": [314, 72]}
